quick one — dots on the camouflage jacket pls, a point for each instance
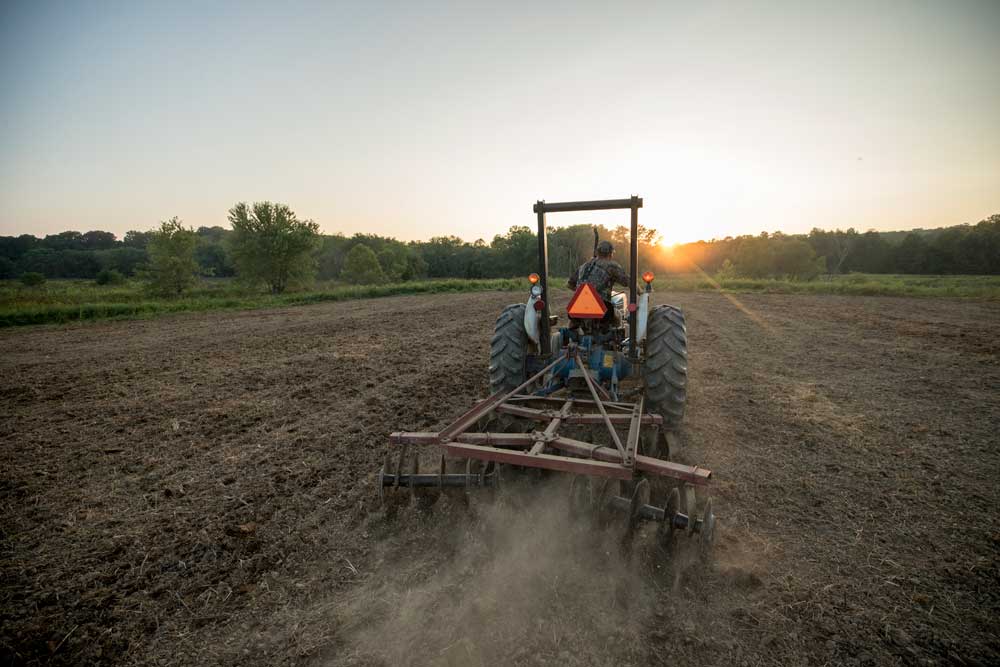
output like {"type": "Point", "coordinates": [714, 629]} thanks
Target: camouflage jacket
{"type": "Point", "coordinates": [602, 273]}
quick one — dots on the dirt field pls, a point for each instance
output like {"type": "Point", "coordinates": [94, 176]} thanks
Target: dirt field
{"type": "Point", "coordinates": [198, 490]}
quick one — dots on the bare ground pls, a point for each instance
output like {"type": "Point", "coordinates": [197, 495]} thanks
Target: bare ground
{"type": "Point", "coordinates": [200, 490]}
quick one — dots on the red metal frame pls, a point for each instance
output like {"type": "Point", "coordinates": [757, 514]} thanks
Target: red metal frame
{"type": "Point", "coordinates": [546, 448]}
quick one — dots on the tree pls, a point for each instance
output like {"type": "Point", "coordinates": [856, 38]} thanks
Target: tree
{"type": "Point", "coordinates": [795, 258]}
{"type": "Point", "coordinates": [172, 267]}
{"type": "Point", "coordinates": [134, 239]}
{"type": "Point", "coordinates": [910, 256]}
{"type": "Point", "coordinates": [41, 260]}
{"type": "Point", "coordinates": [331, 255]}
{"type": "Point", "coordinates": [109, 277]}
{"type": "Point", "coordinates": [13, 247]}
{"type": "Point", "coordinates": [361, 266]}
{"type": "Point", "coordinates": [393, 261]}
{"type": "Point", "coordinates": [212, 259]}
{"type": "Point", "coordinates": [97, 240]}
{"type": "Point", "coordinates": [69, 240]}
{"type": "Point", "coordinates": [834, 246]}
{"type": "Point", "coordinates": [32, 279]}
{"type": "Point", "coordinates": [125, 260]}
{"type": "Point", "coordinates": [272, 246]}
{"type": "Point", "coordinates": [870, 254]}
{"type": "Point", "coordinates": [515, 253]}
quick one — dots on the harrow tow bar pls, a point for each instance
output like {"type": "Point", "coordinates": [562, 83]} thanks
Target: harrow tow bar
{"type": "Point", "coordinates": [626, 459]}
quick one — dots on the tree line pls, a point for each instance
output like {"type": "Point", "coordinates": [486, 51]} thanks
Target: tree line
{"type": "Point", "coordinates": [959, 250]}
{"type": "Point", "coordinates": [267, 244]}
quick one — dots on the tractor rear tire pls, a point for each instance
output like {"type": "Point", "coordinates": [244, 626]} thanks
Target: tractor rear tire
{"type": "Point", "coordinates": [666, 365]}
{"type": "Point", "coordinates": [509, 350]}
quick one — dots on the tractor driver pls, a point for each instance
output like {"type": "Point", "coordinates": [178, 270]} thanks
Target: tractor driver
{"type": "Point", "coordinates": [602, 272]}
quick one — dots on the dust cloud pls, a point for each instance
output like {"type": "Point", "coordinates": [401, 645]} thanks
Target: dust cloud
{"type": "Point", "coordinates": [516, 581]}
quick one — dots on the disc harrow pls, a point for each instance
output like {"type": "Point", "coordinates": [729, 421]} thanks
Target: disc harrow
{"type": "Point", "coordinates": [623, 470]}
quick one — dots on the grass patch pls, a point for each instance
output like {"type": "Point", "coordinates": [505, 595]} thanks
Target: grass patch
{"type": "Point", "coordinates": [853, 284]}
{"type": "Point", "coordinates": [60, 301]}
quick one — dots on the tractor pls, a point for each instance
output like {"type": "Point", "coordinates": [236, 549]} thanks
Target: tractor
{"type": "Point", "coordinates": [614, 372]}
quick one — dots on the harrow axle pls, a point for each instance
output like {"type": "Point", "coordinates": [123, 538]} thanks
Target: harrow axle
{"type": "Point", "coordinates": [430, 480]}
{"type": "Point", "coordinates": [656, 514]}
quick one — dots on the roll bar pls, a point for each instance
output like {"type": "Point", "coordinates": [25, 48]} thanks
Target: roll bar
{"type": "Point", "coordinates": [634, 203]}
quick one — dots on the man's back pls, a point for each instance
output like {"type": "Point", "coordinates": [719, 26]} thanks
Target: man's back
{"type": "Point", "coordinates": [602, 273]}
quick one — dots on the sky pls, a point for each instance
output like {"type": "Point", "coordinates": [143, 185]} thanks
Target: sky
{"type": "Point", "coordinates": [416, 119]}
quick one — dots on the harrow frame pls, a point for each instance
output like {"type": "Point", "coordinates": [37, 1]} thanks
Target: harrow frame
{"type": "Point", "coordinates": [548, 449]}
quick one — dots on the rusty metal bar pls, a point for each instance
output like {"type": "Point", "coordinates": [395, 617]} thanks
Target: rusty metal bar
{"type": "Point", "coordinates": [522, 440]}
{"type": "Point", "coordinates": [694, 475]}
{"type": "Point", "coordinates": [553, 426]}
{"type": "Point", "coordinates": [487, 405]}
{"type": "Point", "coordinates": [604, 414]}
{"type": "Point", "coordinates": [527, 413]}
{"type": "Point", "coordinates": [603, 393]}
{"type": "Point", "coordinates": [547, 461]}
{"type": "Point", "coordinates": [616, 419]}
{"type": "Point", "coordinates": [551, 429]}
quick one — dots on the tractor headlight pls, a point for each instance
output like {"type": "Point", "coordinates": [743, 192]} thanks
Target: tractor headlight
{"type": "Point", "coordinates": [536, 290]}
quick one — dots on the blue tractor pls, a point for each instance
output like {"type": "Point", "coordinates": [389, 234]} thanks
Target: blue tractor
{"type": "Point", "coordinates": [651, 362]}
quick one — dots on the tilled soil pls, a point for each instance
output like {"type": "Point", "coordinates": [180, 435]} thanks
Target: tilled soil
{"type": "Point", "coordinates": [200, 489]}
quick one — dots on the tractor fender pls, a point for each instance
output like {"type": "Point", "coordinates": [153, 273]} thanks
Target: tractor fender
{"type": "Point", "coordinates": [531, 319]}
{"type": "Point", "coordinates": [642, 317]}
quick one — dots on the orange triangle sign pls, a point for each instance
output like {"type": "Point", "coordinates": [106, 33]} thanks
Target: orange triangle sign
{"type": "Point", "coordinates": [586, 304]}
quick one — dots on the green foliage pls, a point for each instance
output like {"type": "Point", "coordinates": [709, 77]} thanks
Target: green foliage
{"type": "Point", "coordinates": [727, 271]}
{"type": "Point", "coordinates": [69, 300]}
{"type": "Point", "coordinates": [361, 266]}
{"type": "Point", "coordinates": [32, 279]}
{"type": "Point", "coordinates": [211, 254]}
{"type": "Point", "coordinates": [776, 256]}
{"type": "Point", "coordinates": [451, 257]}
{"type": "Point", "coordinates": [962, 249]}
{"type": "Point", "coordinates": [393, 262]}
{"type": "Point", "coordinates": [852, 284]}
{"type": "Point", "coordinates": [126, 261]}
{"type": "Point", "coordinates": [109, 277]}
{"type": "Point", "coordinates": [515, 253]}
{"type": "Point", "coordinates": [138, 240]}
{"type": "Point", "coordinates": [172, 267]}
{"type": "Point", "coordinates": [271, 246]}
